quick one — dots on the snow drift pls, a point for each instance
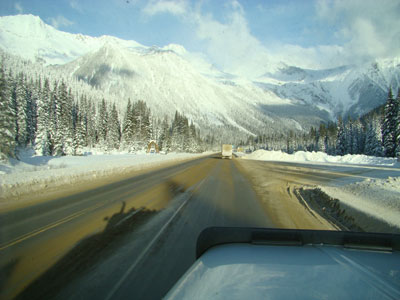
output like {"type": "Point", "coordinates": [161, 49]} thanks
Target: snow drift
{"type": "Point", "coordinates": [321, 157]}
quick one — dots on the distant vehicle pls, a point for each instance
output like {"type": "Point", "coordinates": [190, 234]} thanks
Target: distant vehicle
{"type": "Point", "coordinates": [261, 263]}
{"type": "Point", "coordinates": [226, 151]}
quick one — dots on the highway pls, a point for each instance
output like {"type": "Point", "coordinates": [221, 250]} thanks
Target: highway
{"type": "Point", "coordinates": [134, 238]}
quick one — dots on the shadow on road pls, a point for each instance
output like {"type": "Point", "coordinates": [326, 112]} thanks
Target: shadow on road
{"type": "Point", "coordinates": [91, 250]}
{"type": "Point", "coordinates": [86, 254]}
{"type": "Point", "coordinates": [210, 205]}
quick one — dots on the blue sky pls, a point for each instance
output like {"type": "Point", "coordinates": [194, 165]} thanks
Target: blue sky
{"type": "Point", "coordinates": [310, 33]}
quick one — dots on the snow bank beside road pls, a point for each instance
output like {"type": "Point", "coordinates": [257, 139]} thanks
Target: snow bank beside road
{"type": "Point", "coordinates": [320, 157]}
{"type": "Point", "coordinates": [372, 202]}
{"type": "Point", "coordinates": [379, 198]}
{"type": "Point", "coordinates": [37, 173]}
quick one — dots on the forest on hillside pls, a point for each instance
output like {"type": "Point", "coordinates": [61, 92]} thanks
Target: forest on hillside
{"type": "Point", "coordinates": [57, 115]}
{"type": "Point", "coordinates": [47, 115]}
{"type": "Point", "coordinates": [377, 133]}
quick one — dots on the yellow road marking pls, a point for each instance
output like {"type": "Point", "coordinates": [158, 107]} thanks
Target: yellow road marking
{"type": "Point", "coordinates": [75, 215]}
{"type": "Point", "coordinates": [47, 227]}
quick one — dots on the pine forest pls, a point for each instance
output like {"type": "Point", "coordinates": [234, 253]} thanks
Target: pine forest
{"type": "Point", "coordinates": [54, 115]}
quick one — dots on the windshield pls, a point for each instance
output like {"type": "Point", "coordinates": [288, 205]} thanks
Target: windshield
{"type": "Point", "coordinates": [128, 127]}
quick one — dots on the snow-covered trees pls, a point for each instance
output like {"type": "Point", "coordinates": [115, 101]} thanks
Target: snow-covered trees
{"type": "Point", "coordinates": [114, 130]}
{"type": "Point", "coordinates": [43, 139]}
{"type": "Point", "coordinates": [64, 129]}
{"type": "Point", "coordinates": [183, 137]}
{"type": "Point", "coordinates": [377, 133]}
{"type": "Point", "coordinates": [389, 125]}
{"type": "Point", "coordinates": [373, 138]}
{"type": "Point", "coordinates": [7, 119]}
{"type": "Point", "coordinates": [341, 145]}
{"type": "Point", "coordinates": [397, 125]}
{"type": "Point", "coordinates": [21, 107]}
{"type": "Point", "coordinates": [142, 130]}
{"type": "Point", "coordinates": [58, 117]}
{"type": "Point", "coordinates": [47, 115]}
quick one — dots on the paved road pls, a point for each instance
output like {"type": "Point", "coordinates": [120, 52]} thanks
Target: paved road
{"type": "Point", "coordinates": [45, 246]}
{"type": "Point", "coordinates": [134, 238]}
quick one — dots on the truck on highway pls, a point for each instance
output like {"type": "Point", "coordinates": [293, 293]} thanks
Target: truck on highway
{"type": "Point", "coordinates": [226, 151]}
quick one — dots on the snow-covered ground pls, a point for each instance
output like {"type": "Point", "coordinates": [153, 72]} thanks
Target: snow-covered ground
{"type": "Point", "coordinates": [321, 157]}
{"type": "Point", "coordinates": [379, 198]}
{"type": "Point", "coordinates": [375, 193]}
{"type": "Point", "coordinates": [36, 173]}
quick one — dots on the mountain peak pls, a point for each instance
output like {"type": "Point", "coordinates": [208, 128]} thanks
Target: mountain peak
{"type": "Point", "coordinates": [24, 25]}
{"type": "Point", "coordinates": [178, 49]}
{"type": "Point", "coordinates": [29, 37]}
{"type": "Point", "coordinates": [172, 78]}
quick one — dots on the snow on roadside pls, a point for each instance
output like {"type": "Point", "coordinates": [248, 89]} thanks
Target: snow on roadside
{"type": "Point", "coordinates": [321, 157]}
{"type": "Point", "coordinates": [36, 173]}
{"type": "Point", "coordinates": [379, 198]}
{"type": "Point", "coordinates": [370, 198]}
{"type": "Point", "coordinates": [239, 154]}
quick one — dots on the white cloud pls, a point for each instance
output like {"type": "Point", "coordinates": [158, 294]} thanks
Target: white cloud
{"type": "Point", "coordinates": [60, 21]}
{"type": "Point", "coordinates": [318, 57]}
{"type": "Point", "coordinates": [363, 30]}
{"type": "Point", "coordinates": [231, 45]}
{"type": "Point", "coordinates": [18, 8]}
{"type": "Point", "coordinates": [366, 30]}
{"type": "Point", "coordinates": [75, 5]}
{"type": "Point", "coordinates": [369, 29]}
{"type": "Point", "coordinates": [175, 7]}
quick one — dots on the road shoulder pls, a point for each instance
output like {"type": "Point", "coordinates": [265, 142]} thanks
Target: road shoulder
{"type": "Point", "coordinates": [275, 191]}
{"type": "Point", "coordinates": [23, 195]}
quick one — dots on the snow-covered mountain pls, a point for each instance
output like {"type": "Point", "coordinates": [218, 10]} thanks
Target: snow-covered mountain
{"type": "Point", "coordinates": [167, 82]}
{"type": "Point", "coordinates": [346, 90]}
{"type": "Point", "coordinates": [171, 78]}
{"type": "Point", "coordinates": [29, 37]}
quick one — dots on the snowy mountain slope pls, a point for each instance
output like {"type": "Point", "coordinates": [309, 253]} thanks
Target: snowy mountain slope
{"type": "Point", "coordinates": [168, 82]}
{"type": "Point", "coordinates": [29, 37]}
{"type": "Point", "coordinates": [347, 90]}
{"type": "Point", "coordinates": [171, 78]}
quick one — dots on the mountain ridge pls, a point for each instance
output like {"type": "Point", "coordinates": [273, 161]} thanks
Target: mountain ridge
{"type": "Point", "coordinates": [170, 78]}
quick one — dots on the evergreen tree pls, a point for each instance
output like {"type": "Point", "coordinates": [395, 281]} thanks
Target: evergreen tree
{"type": "Point", "coordinates": [341, 138]}
{"type": "Point", "coordinates": [358, 138]}
{"type": "Point", "coordinates": [53, 119]}
{"type": "Point", "coordinates": [79, 136]}
{"type": "Point", "coordinates": [186, 135]}
{"type": "Point", "coordinates": [127, 127]}
{"type": "Point", "coordinates": [373, 138]}
{"type": "Point", "coordinates": [193, 141]}
{"type": "Point", "coordinates": [7, 122]}
{"type": "Point", "coordinates": [31, 111]}
{"type": "Point", "coordinates": [397, 124]}
{"type": "Point", "coordinates": [142, 129]}
{"type": "Point", "coordinates": [102, 118]}
{"type": "Point", "coordinates": [176, 132]}
{"type": "Point", "coordinates": [42, 140]}
{"type": "Point", "coordinates": [63, 141]}
{"type": "Point", "coordinates": [114, 132]}
{"type": "Point", "coordinates": [165, 138]}
{"type": "Point", "coordinates": [389, 126]}
{"type": "Point", "coordinates": [68, 122]}
{"type": "Point", "coordinates": [83, 112]}
{"type": "Point", "coordinates": [91, 124]}
{"type": "Point", "coordinates": [322, 133]}
{"type": "Point", "coordinates": [22, 135]}
{"type": "Point", "coordinates": [331, 138]}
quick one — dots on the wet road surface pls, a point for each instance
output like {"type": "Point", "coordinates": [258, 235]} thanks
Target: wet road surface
{"type": "Point", "coordinates": [133, 238]}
